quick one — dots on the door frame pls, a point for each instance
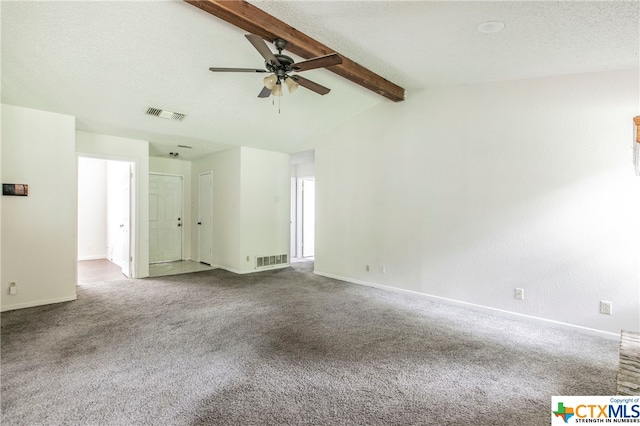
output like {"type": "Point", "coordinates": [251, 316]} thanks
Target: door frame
{"type": "Point", "coordinates": [293, 220]}
{"type": "Point", "coordinates": [304, 214]}
{"type": "Point", "coordinates": [127, 267]}
{"type": "Point", "coordinates": [133, 204]}
{"type": "Point", "coordinates": [182, 211]}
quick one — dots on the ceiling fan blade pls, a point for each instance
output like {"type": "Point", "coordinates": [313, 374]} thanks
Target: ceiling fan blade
{"type": "Point", "coordinates": [214, 69]}
{"type": "Point", "coordinates": [319, 62]}
{"type": "Point", "coordinates": [265, 93]}
{"type": "Point", "coordinates": [262, 48]}
{"type": "Point", "coordinates": [308, 84]}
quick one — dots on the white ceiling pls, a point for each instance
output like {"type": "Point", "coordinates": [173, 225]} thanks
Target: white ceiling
{"type": "Point", "coordinates": [106, 62]}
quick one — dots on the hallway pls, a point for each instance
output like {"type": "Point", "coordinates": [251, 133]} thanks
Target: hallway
{"type": "Point", "coordinates": [91, 271]}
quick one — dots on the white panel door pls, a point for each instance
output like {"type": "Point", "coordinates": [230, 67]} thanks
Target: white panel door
{"type": "Point", "coordinates": [205, 218]}
{"type": "Point", "coordinates": [165, 218]}
{"type": "Point", "coordinates": [308, 217]}
{"type": "Point", "coordinates": [119, 224]}
{"type": "Point", "coordinates": [126, 181]}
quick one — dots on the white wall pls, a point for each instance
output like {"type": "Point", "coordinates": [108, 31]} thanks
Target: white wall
{"type": "Point", "coordinates": [250, 206]}
{"type": "Point", "coordinates": [468, 192]}
{"type": "Point", "coordinates": [172, 166]}
{"type": "Point", "coordinates": [265, 223]}
{"type": "Point", "coordinates": [303, 170]}
{"type": "Point", "coordinates": [136, 151]}
{"type": "Point", "coordinates": [92, 209]}
{"type": "Point", "coordinates": [39, 234]}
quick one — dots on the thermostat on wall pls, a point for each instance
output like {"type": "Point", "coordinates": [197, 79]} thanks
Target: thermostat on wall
{"type": "Point", "coordinates": [15, 189]}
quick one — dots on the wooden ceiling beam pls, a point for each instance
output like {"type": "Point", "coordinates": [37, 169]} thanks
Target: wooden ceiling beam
{"type": "Point", "coordinates": [256, 21]}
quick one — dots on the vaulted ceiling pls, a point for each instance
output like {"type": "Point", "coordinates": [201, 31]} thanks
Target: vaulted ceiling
{"type": "Point", "coordinates": [107, 62]}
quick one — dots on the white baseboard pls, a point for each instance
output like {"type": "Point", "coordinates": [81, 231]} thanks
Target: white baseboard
{"type": "Point", "coordinates": [95, 257]}
{"type": "Point", "coordinates": [38, 303]}
{"type": "Point", "coordinates": [453, 302]}
{"type": "Point", "coordinates": [270, 268]}
{"type": "Point", "coordinates": [250, 271]}
{"type": "Point", "coordinates": [226, 268]}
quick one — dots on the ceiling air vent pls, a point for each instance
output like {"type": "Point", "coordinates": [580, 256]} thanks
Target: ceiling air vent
{"type": "Point", "coordinates": [169, 115]}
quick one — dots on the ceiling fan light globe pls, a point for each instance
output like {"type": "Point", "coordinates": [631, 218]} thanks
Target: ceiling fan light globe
{"type": "Point", "coordinates": [270, 81]}
{"type": "Point", "coordinates": [291, 85]}
{"type": "Point", "coordinates": [277, 90]}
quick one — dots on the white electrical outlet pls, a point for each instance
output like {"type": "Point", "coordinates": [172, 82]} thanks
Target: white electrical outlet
{"type": "Point", "coordinates": [606, 307]}
{"type": "Point", "coordinates": [383, 269]}
{"type": "Point", "coordinates": [520, 293]}
{"type": "Point", "coordinates": [13, 289]}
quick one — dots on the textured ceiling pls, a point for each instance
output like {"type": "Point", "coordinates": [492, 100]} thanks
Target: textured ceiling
{"type": "Point", "coordinates": [419, 44]}
{"type": "Point", "coordinates": [107, 62]}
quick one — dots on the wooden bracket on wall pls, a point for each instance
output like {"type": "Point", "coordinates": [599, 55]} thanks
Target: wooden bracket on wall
{"type": "Point", "coordinates": [256, 21]}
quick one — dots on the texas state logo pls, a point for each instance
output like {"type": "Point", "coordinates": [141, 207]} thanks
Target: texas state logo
{"type": "Point", "coordinates": [565, 413]}
{"type": "Point", "coordinates": [595, 409]}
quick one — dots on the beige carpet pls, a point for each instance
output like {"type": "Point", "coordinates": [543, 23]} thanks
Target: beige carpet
{"type": "Point", "coordinates": [284, 347]}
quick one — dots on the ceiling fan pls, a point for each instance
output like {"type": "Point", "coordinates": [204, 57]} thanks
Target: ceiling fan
{"type": "Point", "coordinates": [280, 66]}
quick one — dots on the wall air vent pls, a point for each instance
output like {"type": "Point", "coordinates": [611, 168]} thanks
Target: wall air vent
{"type": "Point", "coordinates": [169, 115]}
{"type": "Point", "coordinates": [269, 261]}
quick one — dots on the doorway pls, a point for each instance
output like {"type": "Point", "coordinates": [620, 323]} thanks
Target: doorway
{"type": "Point", "coordinates": [165, 218]}
{"type": "Point", "coordinates": [308, 217]}
{"type": "Point", "coordinates": [303, 194]}
{"type": "Point", "coordinates": [105, 209]}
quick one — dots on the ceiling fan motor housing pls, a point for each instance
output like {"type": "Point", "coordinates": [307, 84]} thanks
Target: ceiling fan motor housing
{"type": "Point", "coordinates": [283, 68]}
